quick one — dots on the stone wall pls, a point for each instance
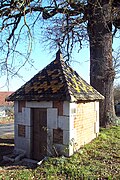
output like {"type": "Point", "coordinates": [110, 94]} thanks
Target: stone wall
{"type": "Point", "coordinates": [57, 126]}
{"type": "Point", "coordinates": [69, 125]}
{"type": "Point", "coordinates": [23, 129]}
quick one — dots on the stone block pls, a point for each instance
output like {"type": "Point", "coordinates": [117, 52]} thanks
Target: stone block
{"type": "Point", "coordinates": [41, 104]}
{"type": "Point", "coordinates": [63, 122]}
{"type": "Point", "coordinates": [71, 150]}
{"type": "Point", "coordinates": [66, 108]}
{"type": "Point", "coordinates": [71, 123]}
{"type": "Point", "coordinates": [66, 137]}
{"type": "Point", "coordinates": [96, 106]}
{"type": "Point", "coordinates": [52, 118]}
{"type": "Point", "coordinates": [20, 142]}
{"type": "Point", "coordinates": [29, 132]}
{"type": "Point", "coordinates": [19, 118]}
{"type": "Point", "coordinates": [26, 115]}
{"type": "Point", "coordinates": [96, 126]}
{"type": "Point", "coordinates": [15, 130]}
{"type": "Point", "coordinates": [50, 142]}
{"type": "Point", "coordinates": [28, 148]}
{"type": "Point", "coordinates": [72, 134]}
{"type": "Point", "coordinates": [73, 106]}
{"type": "Point", "coordinates": [23, 144]}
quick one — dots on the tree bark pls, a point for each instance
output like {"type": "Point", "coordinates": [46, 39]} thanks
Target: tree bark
{"type": "Point", "coordinates": [101, 66]}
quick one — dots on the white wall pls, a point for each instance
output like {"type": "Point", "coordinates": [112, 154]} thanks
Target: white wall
{"type": "Point", "coordinates": [22, 118]}
{"type": "Point", "coordinates": [54, 121]}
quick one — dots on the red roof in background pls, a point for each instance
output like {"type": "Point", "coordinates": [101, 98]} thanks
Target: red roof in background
{"type": "Point", "coordinates": [3, 95]}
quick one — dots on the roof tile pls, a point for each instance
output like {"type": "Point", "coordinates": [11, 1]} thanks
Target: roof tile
{"type": "Point", "coordinates": [3, 96]}
{"type": "Point", "coordinates": [57, 81]}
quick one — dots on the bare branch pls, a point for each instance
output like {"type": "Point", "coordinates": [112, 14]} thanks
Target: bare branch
{"type": "Point", "coordinates": [116, 62]}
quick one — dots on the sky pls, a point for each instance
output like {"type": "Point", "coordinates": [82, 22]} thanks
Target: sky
{"type": "Point", "coordinates": [42, 58]}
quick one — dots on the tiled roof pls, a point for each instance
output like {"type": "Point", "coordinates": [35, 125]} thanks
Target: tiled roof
{"type": "Point", "coordinates": [57, 81]}
{"type": "Point", "coordinates": [3, 96]}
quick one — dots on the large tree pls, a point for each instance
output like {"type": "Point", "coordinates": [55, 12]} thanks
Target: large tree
{"type": "Point", "coordinates": [101, 67]}
{"type": "Point", "coordinates": [72, 21]}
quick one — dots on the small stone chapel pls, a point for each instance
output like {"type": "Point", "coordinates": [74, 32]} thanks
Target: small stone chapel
{"type": "Point", "coordinates": [55, 111]}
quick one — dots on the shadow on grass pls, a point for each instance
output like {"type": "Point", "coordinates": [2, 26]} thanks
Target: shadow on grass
{"type": "Point", "coordinates": [6, 141]}
{"type": "Point", "coordinates": [7, 148]}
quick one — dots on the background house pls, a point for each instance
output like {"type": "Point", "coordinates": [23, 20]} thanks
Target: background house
{"type": "Point", "coordinates": [5, 107]}
{"type": "Point", "coordinates": [56, 112]}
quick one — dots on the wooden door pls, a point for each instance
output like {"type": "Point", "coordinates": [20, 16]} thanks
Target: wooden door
{"type": "Point", "coordinates": [39, 149]}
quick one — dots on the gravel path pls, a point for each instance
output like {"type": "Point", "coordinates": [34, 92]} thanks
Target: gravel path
{"type": "Point", "coordinates": [6, 129]}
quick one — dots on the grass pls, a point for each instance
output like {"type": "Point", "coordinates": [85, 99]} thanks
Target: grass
{"type": "Point", "coordinates": [98, 160]}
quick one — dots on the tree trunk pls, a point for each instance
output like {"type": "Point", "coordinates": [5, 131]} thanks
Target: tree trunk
{"type": "Point", "coordinates": [101, 66]}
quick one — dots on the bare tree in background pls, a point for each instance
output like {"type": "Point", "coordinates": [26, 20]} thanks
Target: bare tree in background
{"type": "Point", "coordinates": [116, 62]}
{"type": "Point", "coordinates": [69, 23]}
{"type": "Point", "coordinates": [117, 94]}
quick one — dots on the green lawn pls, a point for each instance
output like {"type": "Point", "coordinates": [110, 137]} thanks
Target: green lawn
{"type": "Point", "coordinates": [98, 160]}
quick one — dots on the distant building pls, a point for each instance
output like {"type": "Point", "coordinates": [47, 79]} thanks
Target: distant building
{"type": "Point", "coordinates": [5, 107]}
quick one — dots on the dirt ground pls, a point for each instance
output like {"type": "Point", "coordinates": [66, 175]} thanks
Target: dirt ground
{"type": "Point", "coordinates": [6, 148]}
